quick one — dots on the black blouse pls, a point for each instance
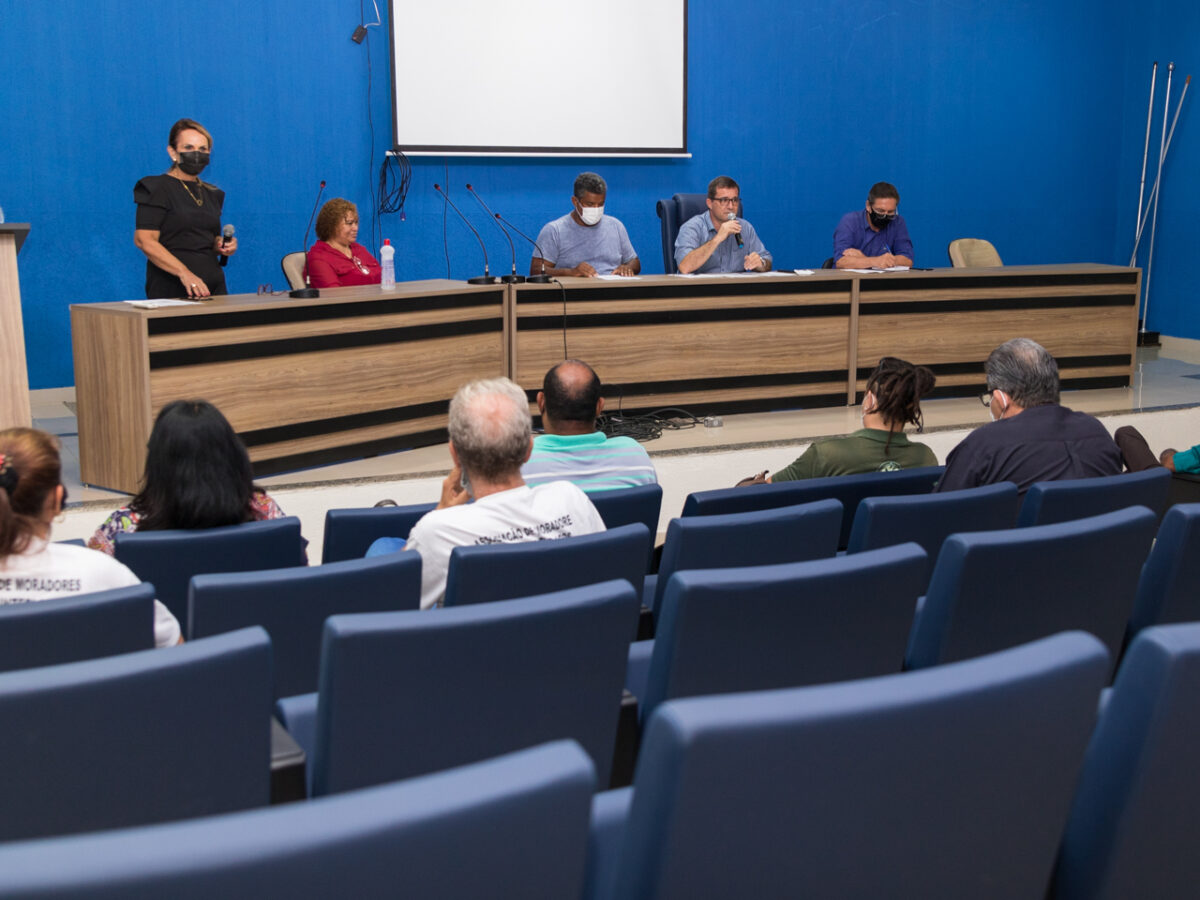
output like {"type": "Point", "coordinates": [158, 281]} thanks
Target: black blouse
{"type": "Point", "coordinates": [185, 227]}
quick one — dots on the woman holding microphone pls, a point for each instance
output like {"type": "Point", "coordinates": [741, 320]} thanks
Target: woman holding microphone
{"type": "Point", "coordinates": [179, 220]}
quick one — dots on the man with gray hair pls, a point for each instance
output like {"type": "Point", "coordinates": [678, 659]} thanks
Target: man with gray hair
{"type": "Point", "coordinates": [490, 439]}
{"type": "Point", "coordinates": [1031, 437]}
{"type": "Point", "coordinates": [585, 242]}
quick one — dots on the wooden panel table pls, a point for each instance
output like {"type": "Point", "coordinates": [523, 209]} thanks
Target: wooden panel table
{"type": "Point", "coordinates": [304, 382]}
{"type": "Point", "coordinates": [721, 343]}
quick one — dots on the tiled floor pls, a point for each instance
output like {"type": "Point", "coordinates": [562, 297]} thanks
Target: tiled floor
{"type": "Point", "coordinates": [1165, 379]}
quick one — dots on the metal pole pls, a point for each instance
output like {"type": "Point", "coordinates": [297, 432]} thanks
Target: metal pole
{"type": "Point", "coordinates": [1154, 188]}
{"type": "Point", "coordinates": [1137, 231]}
{"type": "Point", "coordinates": [1162, 151]}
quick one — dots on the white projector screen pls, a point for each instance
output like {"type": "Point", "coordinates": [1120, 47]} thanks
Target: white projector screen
{"type": "Point", "coordinates": [539, 77]}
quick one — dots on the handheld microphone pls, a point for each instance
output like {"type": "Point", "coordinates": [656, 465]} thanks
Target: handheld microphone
{"type": "Point", "coordinates": [737, 236]}
{"type": "Point", "coordinates": [532, 279]}
{"type": "Point", "coordinates": [226, 235]}
{"type": "Point", "coordinates": [514, 278]}
{"type": "Point", "coordinates": [486, 277]}
{"type": "Point", "coordinates": [308, 291]}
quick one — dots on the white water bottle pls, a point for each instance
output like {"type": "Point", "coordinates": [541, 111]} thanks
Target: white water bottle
{"type": "Point", "coordinates": [387, 260]}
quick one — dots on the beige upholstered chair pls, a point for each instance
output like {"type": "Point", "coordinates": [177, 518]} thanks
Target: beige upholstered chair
{"type": "Point", "coordinates": [293, 268]}
{"type": "Point", "coordinates": [971, 252]}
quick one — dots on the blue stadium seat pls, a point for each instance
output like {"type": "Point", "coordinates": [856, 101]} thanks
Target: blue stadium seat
{"type": "Point", "coordinates": [1169, 589]}
{"type": "Point", "coordinates": [293, 604]}
{"type": "Point", "coordinates": [628, 505]}
{"type": "Point", "coordinates": [951, 782]}
{"type": "Point", "coordinates": [349, 532]}
{"type": "Point", "coordinates": [1047, 502]}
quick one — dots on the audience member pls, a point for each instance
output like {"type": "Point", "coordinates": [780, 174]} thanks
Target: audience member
{"type": "Point", "coordinates": [1031, 437]}
{"type": "Point", "coordinates": [572, 449]}
{"type": "Point", "coordinates": [31, 567]}
{"type": "Point", "coordinates": [719, 241]}
{"type": "Point", "coordinates": [197, 476]}
{"type": "Point", "coordinates": [585, 242]}
{"type": "Point", "coordinates": [490, 439]}
{"type": "Point", "coordinates": [1138, 456]}
{"type": "Point", "coordinates": [875, 237]}
{"type": "Point", "coordinates": [891, 401]}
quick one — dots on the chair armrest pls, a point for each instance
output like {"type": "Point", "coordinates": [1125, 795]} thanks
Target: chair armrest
{"type": "Point", "coordinates": [610, 811]}
{"type": "Point", "coordinates": [299, 716]}
{"type": "Point", "coordinates": [637, 670]}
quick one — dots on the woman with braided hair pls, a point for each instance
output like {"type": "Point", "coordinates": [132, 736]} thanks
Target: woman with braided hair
{"type": "Point", "coordinates": [32, 568]}
{"type": "Point", "coordinates": [891, 401]}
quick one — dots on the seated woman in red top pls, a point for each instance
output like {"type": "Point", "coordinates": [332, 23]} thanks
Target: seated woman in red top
{"type": "Point", "coordinates": [335, 260]}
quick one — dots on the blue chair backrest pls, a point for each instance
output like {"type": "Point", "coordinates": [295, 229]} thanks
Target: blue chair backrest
{"type": "Point", "coordinates": [408, 693]}
{"type": "Point", "coordinates": [996, 589]}
{"type": "Point", "coordinates": [628, 505]}
{"type": "Point", "coordinates": [68, 629]}
{"type": "Point", "coordinates": [514, 826]}
{"type": "Point", "coordinates": [349, 532]}
{"type": "Point", "coordinates": [138, 738]}
{"type": "Point", "coordinates": [674, 212]}
{"type": "Point", "coordinates": [1169, 589]}
{"type": "Point", "coordinates": [781, 626]}
{"type": "Point", "coordinates": [1135, 823]}
{"type": "Point", "coordinates": [850, 489]}
{"type": "Point", "coordinates": [953, 782]}
{"type": "Point", "coordinates": [758, 538]}
{"type": "Point", "coordinates": [504, 571]}
{"type": "Point", "coordinates": [293, 604]}
{"type": "Point", "coordinates": [169, 559]}
{"type": "Point", "coordinates": [1047, 502]}
{"type": "Point", "coordinates": [929, 519]}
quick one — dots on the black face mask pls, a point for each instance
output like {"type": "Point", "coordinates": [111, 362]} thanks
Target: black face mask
{"type": "Point", "coordinates": [877, 220]}
{"type": "Point", "coordinates": [193, 162]}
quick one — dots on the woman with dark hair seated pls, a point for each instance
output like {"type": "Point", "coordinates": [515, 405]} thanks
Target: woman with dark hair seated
{"type": "Point", "coordinates": [32, 568]}
{"type": "Point", "coordinates": [891, 401]}
{"type": "Point", "coordinates": [197, 476]}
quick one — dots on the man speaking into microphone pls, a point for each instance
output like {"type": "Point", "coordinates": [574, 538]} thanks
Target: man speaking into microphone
{"type": "Point", "coordinates": [718, 241]}
{"type": "Point", "coordinates": [585, 242]}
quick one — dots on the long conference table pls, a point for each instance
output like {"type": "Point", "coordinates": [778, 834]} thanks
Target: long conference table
{"type": "Point", "coordinates": [360, 371]}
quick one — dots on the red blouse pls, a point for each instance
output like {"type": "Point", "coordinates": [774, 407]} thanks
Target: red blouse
{"type": "Point", "coordinates": [328, 268]}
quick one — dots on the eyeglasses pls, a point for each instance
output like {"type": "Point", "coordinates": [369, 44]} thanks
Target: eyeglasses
{"type": "Point", "coordinates": [727, 201]}
{"type": "Point", "coordinates": [884, 215]}
{"type": "Point", "coordinates": [986, 397]}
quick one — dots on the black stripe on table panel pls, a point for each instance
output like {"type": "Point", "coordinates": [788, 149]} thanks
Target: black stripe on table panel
{"type": "Point", "coordinates": [726, 290]}
{"type": "Point", "coordinates": [868, 285]}
{"type": "Point", "coordinates": [974, 389]}
{"type": "Point", "coordinates": [195, 356]}
{"type": "Point", "coordinates": [347, 310]}
{"type": "Point", "coordinates": [703, 407]}
{"type": "Point", "coordinates": [344, 452]}
{"type": "Point", "coordinates": [681, 317]}
{"type": "Point", "coordinates": [338, 424]}
{"type": "Point", "coordinates": [619, 390]}
{"type": "Point", "coordinates": [970, 368]}
{"type": "Point", "coordinates": [983, 304]}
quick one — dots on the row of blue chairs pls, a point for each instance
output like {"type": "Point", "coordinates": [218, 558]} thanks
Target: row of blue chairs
{"type": "Point", "coordinates": [992, 777]}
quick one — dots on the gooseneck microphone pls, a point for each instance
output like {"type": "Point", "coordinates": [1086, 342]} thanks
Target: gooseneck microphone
{"type": "Point", "coordinates": [308, 291]}
{"type": "Point", "coordinates": [486, 277]}
{"type": "Point", "coordinates": [543, 278]}
{"type": "Point", "coordinates": [737, 235]}
{"type": "Point", "coordinates": [514, 278]}
{"type": "Point", "coordinates": [226, 237]}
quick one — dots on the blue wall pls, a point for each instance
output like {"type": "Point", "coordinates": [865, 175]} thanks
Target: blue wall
{"type": "Point", "coordinates": [1007, 120]}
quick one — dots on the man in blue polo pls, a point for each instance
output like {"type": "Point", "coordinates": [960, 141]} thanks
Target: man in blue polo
{"type": "Point", "coordinates": [718, 241]}
{"type": "Point", "coordinates": [875, 237]}
{"type": "Point", "coordinates": [572, 449]}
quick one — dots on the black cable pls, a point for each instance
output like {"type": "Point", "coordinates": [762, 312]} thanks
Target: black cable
{"type": "Point", "coordinates": [445, 213]}
{"type": "Point", "coordinates": [376, 230]}
{"type": "Point", "coordinates": [647, 427]}
{"type": "Point", "coordinates": [562, 287]}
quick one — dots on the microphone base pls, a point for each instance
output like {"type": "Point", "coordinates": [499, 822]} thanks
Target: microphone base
{"type": "Point", "coordinates": [513, 279]}
{"type": "Point", "coordinates": [538, 279]}
{"type": "Point", "coordinates": [305, 293]}
{"type": "Point", "coordinates": [482, 279]}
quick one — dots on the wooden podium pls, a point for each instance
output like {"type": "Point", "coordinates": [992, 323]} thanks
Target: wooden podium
{"type": "Point", "coordinates": [14, 379]}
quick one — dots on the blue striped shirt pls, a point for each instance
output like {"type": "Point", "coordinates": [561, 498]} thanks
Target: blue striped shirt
{"type": "Point", "coordinates": [594, 462]}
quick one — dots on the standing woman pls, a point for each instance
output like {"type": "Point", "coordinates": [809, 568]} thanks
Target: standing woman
{"type": "Point", "coordinates": [179, 220]}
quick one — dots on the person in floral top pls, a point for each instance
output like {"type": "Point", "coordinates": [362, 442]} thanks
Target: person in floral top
{"type": "Point", "coordinates": [197, 476]}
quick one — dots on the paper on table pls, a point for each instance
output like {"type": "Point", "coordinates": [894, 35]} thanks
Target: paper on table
{"type": "Point", "coordinates": [618, 277]}
{"type": "Point", "coordinates": [155, 304]}
{"type": "Point", "coordinates": [803, 271]}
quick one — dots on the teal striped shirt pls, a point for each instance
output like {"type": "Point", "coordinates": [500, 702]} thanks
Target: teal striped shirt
{"type": "Point", "coordinates": [594, 462]}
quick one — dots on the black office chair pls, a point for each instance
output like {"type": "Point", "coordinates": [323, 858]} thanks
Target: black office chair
{"type": "Point", "coordinates": [674, 212]}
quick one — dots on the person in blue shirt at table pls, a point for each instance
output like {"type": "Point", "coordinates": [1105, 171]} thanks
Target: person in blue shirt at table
{"type": "Point", "coordinates": [874, 238]}
{"type": "Point", "coordinates": [585, 242]}
{"type": "Point", "coordinates": [718, 241]}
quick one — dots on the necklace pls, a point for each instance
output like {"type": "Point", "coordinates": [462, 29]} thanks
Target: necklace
{"type": "Point", "coordinates": [199, 201]}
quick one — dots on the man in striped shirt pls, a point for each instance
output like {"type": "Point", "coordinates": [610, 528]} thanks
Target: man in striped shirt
{"type": "Point", "coordinates": [571, 448]}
